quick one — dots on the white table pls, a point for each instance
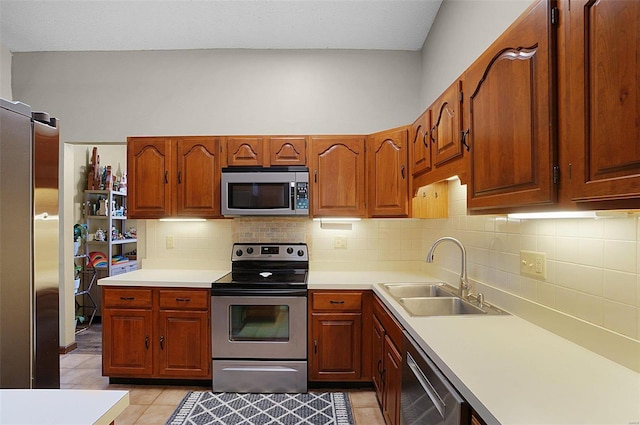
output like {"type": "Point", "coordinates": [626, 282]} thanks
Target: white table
{"type": "Point", "coordinates": [61, 407]}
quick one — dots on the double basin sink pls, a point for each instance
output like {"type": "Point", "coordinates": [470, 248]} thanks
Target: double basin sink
{"type": "Point", "coordinates": [435, 299]}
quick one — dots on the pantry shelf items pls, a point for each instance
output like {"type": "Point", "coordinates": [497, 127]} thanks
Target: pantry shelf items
{"type": "Point", "coordinates": [112, 236]}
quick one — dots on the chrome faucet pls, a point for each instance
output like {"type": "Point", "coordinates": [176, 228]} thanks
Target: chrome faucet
{"type": "Point", "coordinates": [464, 282]}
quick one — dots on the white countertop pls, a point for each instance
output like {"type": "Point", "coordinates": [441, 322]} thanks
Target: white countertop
{"type": "Point", "coordinates": [509, 370]}
{"type": "Point", "coordinates": [513, 372]}
{"type": "Point", "coordinates": [165, 278]}
{"type": "Point", "coordinates": [360, 279]}
{"type": "Point", "coordinates": [61, 407]}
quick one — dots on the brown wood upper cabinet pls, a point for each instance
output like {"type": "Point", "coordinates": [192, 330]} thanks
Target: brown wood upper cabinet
{"type": "Point", "coordinates": [603, 109]}
{"type": "Point", "coordinates": [173, 177]}
{"type": "Point", "coordinates": [420, 144]}
{"type": "Point", "coordinates": [288, 150]}
{"type": "Point", "coordinates": [446, 124]}
{"type": "Point", "coordinates": [265, 151]}
{"type": "Point", "coordinates": [510, 105]}
{"type": "Point", "coordinates": [337, 175]}
{"type": "Point", "coordinates": [245, 151]}
{"type": "Point", "coordinates": [387, 161]}
{"type": "Point", "coordinates": [439, 150]}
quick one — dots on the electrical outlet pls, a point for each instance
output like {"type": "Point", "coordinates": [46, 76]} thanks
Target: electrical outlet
{"type": "Point", "coordinates": [533, 264]}
{"type": "Point", "coordinates": [170, 242]}
{"type": "Point", "coordinates": [340, 242]}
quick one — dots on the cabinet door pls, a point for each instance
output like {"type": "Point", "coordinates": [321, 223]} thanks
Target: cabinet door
{"type": "Point", "coordinates": [126, 342]}
{"type": "Point", "coordinates": [329, 331]}
{"type": "Point", "coordinates": [198, 177]}
{"type": "Point", "coordinates": [288, 150]}
{"type": "Point", "coordinates": [183, 344]}
{"type": "Point", "coordinates": [420, 149]}
{"type": "Point", "coordinates": [150, 170]}
{"type": "Point", "coordinates": [446, 125]}
{"type": "Point", "coordinates": [378, 358]}
{"type": "Point", "coordinates": [604, 100]}
{"type": "Point", "coordinates": [338, 176]}
{"type": "Point", "coordinates": [510, 109]}
{"type": "Point", "coordinates": [245, 151]}
{"type": "Point", "coordinates": [392, 381]}
{"type": "Point", "coordinates": [388, 174]}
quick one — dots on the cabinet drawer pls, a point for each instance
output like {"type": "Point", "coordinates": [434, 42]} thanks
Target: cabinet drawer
{"type": "Point", "coordinates": [180, 299]}
{"type": "Point", "coordinates": [337, 301]}
{"type": "Point", "coordinates": [126, 297]}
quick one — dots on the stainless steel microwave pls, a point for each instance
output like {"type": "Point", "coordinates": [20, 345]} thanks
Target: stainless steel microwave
{"type": "Point", "coordinates": [265, 191]}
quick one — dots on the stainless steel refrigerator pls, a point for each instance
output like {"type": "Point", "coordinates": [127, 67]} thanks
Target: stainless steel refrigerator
{"type": "Point", "coordinates": [29, 253]}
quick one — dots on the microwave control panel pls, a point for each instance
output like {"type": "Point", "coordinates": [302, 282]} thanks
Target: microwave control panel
{"type": "Point", "coordinates": [302, 196]}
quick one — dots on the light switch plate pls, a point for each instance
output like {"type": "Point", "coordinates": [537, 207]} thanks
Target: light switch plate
{"type": "Point", "coordinates": [170, 242]}
{"type": "Point", "coordinates": [533, 264]}
{"type": "Point", "coordinates": [340, 242]}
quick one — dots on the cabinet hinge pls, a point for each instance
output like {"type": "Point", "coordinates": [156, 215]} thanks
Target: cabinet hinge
{"type": "Point", "coordinates": [555, 16]}
{"type": "Point", "coordinates": [556, 174]}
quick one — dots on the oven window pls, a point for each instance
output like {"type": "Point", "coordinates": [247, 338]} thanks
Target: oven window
{"type": "Point", "coordinates": [259, 323]}
{"type": "Point", "coordinates": [259, 195]}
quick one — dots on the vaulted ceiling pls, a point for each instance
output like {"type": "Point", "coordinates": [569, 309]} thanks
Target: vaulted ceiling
{"type": "Point", "coordinates": [90, 25]}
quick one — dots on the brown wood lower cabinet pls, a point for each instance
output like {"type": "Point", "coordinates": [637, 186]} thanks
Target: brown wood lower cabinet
{"type": "Point", "coordinates": [156, 333]}
{"type": "Point", "coordinates": [336, 337]}
{"type": "Point", "coordinates": [387, 361]}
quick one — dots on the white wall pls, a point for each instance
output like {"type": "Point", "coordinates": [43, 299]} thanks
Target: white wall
{"type": "Point", "coordinates": [462, 30]}
{"type": "Point", "coordinates": [111, 95]}
{"type": "Point", "coordinates": [5, 73]}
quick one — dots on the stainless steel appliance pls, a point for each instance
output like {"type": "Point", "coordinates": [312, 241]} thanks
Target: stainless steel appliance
{"type": "Point", "coordinates": [427, 397]}
{"type": "Point", "coordinates": [29, 232]}
{"type": "Point", "coordinates": [265, 191]}
{"type": "Point", "coordinates": [259, 320]}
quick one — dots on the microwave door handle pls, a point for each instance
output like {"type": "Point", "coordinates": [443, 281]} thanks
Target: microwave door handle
{"type": "Point", "coordinates": [293, 195]}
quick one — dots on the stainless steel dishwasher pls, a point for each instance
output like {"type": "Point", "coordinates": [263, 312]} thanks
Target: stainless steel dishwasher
{"type": "Point", "coordinates": [427, 396]}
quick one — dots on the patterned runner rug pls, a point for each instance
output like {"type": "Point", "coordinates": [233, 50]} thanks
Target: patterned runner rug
{"type": "Point", "coordinates": [207, 408]}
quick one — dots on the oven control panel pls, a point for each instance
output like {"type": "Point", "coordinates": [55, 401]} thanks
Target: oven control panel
{"type": "Point", "coordinates": [270, 252]}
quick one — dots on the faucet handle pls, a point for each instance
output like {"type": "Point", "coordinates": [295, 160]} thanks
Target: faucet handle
{"type": "Point", "coordinates": [479, 298]}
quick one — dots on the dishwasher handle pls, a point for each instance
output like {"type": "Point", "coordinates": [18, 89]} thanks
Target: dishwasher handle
{"type": "Point", "coordinates": [426, 385]}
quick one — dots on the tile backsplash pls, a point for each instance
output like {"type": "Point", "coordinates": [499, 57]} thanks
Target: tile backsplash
{"type": "Point", "coordinates": [592, 264]}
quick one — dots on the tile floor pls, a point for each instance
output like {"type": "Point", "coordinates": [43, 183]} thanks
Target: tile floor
{"type": "Point", "coordinates": [152, 405]}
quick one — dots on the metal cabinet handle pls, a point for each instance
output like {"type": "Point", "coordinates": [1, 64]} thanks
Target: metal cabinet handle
{"type": "Point", "coordinates": [162, 342]}
{"type": "Point", "coordinates": [402, 171]}
{"type": "Point", "coordinates": [424, 139]}
{"type": "Point", "coordinates": [146, 342]}
{"type": "Point", "coordinates": [166, 177]}
{"type": "Point", "coordinates": [433, 130]}
{"type": "Point", "coordinates": [179, 177]}
{"type": "Point", "coordinates": [379, 367]}
{"type": "Point", "coordinates": [186, 300]}
{"type": "Point", "coordinates": [127, 298]}
{"type": "Point", "coordinates": [463, 135]}
{"type": "Point", "coordinates": [315, 176]}
{"type": "Point", "coordinates": [315, 346]}
{"type": "Point", "coordinates": [336, 302]}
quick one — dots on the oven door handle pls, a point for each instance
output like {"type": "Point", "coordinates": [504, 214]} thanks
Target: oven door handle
{"type": "Point", "coordinates": [260, 369]}
{"type": "Point", "coordinates": [426, 385]}
{"type": "Point", "coordinates": [266, 292]}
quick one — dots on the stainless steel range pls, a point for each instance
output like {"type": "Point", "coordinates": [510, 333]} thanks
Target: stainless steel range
{"type": "Point", "coordinates": [259, 320]}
